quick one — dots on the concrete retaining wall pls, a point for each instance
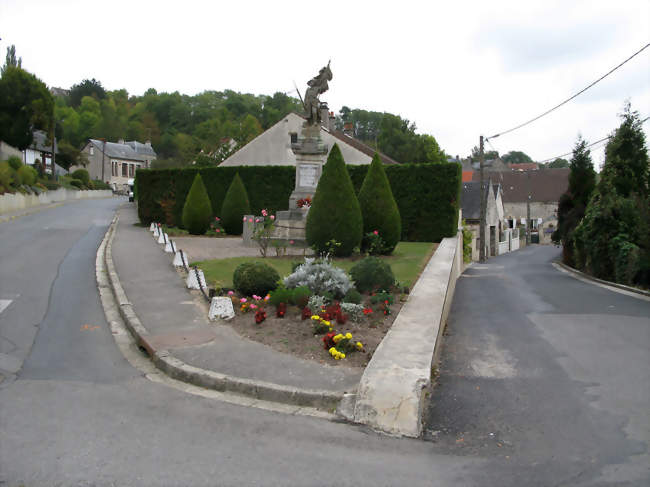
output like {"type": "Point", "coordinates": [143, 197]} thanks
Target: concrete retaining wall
{"type": "Point", "coordinates": [19, 201]}
{"type": "Point", "coordinates": [392, 389]}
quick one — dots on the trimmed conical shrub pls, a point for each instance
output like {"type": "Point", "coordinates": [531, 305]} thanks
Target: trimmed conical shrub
{"type": "Point", "coordinates": [378, 207]}
{"type": "Point", "coordinates": [335, 214]}
{"type": "Point", "coordinates": [197, 210]}
{"type": "Point", "coordinates": [235, 206]}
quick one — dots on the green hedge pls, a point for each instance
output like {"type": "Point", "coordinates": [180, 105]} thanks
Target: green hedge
{"type": "Point", "coordinates": [428, 195]}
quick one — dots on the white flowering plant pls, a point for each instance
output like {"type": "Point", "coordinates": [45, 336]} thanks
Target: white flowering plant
{"type": "Point", "coordinates": [320, 276]}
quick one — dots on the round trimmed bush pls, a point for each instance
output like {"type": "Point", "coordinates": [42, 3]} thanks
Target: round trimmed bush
{"type": "Point", "coordinates": [352, 296]}
{"type": "Point", "coordinates": [15, 162]}
{"type": "Point", "coordinates": [335, 213]}
{"type": "Point", "coordinates": [378, 206]}
{"type": "Point", "coordinates": [77, 183]}
{"type": "Point", "coordinates": [197, 210]}
{"type": "Point", "coordinates": [235, 206]}
{"type": "Point", "coordinates": [255, 278]}
{"type": "Point", "coordinates": [372, 273]}
{"type": "Point", "coordinates": [82, 175]}
{"type": "Point", "coordinates": [27, 175]}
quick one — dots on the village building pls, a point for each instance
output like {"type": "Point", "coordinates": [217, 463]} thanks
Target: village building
{"type": "Point", "coordinates": [273, 146]}
{"type": "Point", "coordinates": [494, 222]}
{"type": "Point", "coordinates": [116, 162]}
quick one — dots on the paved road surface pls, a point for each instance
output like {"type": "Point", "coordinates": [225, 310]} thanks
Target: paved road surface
{"type": "Point", "coordinates": [74, 412]}
{"type": "Point", "coordinates": [547, 371]}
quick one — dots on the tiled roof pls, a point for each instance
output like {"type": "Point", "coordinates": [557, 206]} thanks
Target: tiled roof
{"type": "Point", "coordinates": [546, 185]}
{"type": "Point", "coordinates": [468, 176]}
{"type": "Point", "coordinates": [119, 151]}
{"type": "Point", "coordinates": [141, 148]}
{"type": "Point", "coordinates": [524, 166]}
{"type": "Point", "coordinates": [40, 142]}
{"type": "Point", "coordinates": [360, 146]}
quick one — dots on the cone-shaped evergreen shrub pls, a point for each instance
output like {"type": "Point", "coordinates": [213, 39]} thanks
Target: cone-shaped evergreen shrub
{"type": "Point", "coordinates": [235, 206]}
{"type": "Point", "coordinates": [378, 207]}
{"type": "Point", "coordinates": [335, 213]}
{"type": "Point", "coordinates": [197, 211]}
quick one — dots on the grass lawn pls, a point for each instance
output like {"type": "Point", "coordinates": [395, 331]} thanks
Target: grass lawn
{"type": "Point", "coordinates": [407, 262]}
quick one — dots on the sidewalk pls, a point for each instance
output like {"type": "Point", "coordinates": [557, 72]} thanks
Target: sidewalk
{"type": "Point", "coordinates": [207, 353]}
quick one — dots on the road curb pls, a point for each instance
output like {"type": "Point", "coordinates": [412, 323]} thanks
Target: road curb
{"type": "Point", "coordinates": [175, 368]}
{"type": "Point", "coordinates": [586, 276]}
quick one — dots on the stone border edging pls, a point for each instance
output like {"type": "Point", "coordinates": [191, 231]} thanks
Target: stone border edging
{"type": "Point", "coordinates": [601, 281]}
{"type": "Point", "coordinates": [179, 370]}
{"type": "Point", "coordinates": [391, 394]}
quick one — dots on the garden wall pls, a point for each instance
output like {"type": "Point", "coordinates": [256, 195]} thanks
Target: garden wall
{"type": "Point", "coordinates": [428, 195]}
{"type": "Point", "coordinates": [19, 201]}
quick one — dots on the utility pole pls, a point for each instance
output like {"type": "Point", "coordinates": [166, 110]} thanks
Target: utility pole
{"type": "Point", "coordinates": [483, 202]}
{"type": "Point", "coordinates": [528, 222]}
{"type": "Point", "coordinates": [53, 147]}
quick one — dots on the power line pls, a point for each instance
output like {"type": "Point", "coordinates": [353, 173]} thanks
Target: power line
{"type": "Point", "coordinates": [571, 98]}
{"type": "Point", "coordinates": [589, 145]}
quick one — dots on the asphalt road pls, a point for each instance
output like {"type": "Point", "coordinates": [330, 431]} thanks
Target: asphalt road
{"type": "Point", "coordinates": [546, 371]}
{"type": "Point", "coordinates": [73, 411]}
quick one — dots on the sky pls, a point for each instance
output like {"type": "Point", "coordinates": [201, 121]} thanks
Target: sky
{"type": "Point", "coordinates": [458, 70]}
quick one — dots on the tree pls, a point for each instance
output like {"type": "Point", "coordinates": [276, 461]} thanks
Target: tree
{"type": "Point", "coordinates": [573, 203]}
{"type": "Point", "coordinates": [335, 215]}
{"type": "Point", "coordinates": [88, 87]}
{"type": "Point", "coordinates": [516, 157]}
{"type": "Point", "coordinates": [626, 156]}
{"type": "Point", "coordinates": [235, 206]}
{"type": "Point", "coordinates": [378, 207]}
{"type": "Point", "coordinates": [475, 156]}
{"type": "Point", "coordinates": [11, 61]}
{"type": "Point", "coordinates": [25, 105]}
{"type": "Point", "coordinates": [558, 163]}
{"type": "Point", "coordinates": [68, 155]}
{"type": "Point", "coordinates": [197, 210]}
{"type": "Point", "coordinates": [613, 239]}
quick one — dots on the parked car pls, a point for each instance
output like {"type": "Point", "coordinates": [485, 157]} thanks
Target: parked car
{"type": "Point", "coordinates": [131, 183]}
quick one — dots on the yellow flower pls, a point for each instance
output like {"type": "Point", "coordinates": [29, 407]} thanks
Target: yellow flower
{"type": "Point", "coordinates": [326, 323]}
{"type": "Point", "coordinates": [348, 336]}
{"type": "Point", "coordinates": [336, 339]}
{"type": "Point", "coordinates": [342, 355]}
{"type": "Point", "coordinates": [336, 357]}
{"type": "Point", "coordinates": [359, 345]}
{"type": "Point", "coordinates": [315, 317]}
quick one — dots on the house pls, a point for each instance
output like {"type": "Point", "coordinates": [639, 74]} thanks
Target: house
{"type": "Point", "coordinates": [273, 147]}
{"type": "Point", "coordinates": [116, 162]}
{"type": "Point", "coordinates": [494, 223]}
{"type": "Point", "coordinates": [524, 166]}
{"type": "Point", "coordinates": [41, 149]}
{"type": "Point", "coordinates": [544, 187]}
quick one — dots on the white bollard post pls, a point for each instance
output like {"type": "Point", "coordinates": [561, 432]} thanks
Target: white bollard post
{"type": "Point", "coordinates": [152, 227]}
{"type": "Point", "coordinates": [180, 259]}
{"type": "Point", "coordinates": [156, 232]}
{"type": "Point", "coordinates": [192, 282]}
{"type": "Point", "coordinates": [170, 248]}
{"type": "Point", "coordinates": [163, 238]}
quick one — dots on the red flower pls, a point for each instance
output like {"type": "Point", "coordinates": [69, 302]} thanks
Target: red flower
{"type": "Point", "coordinates": [260, 316]}
{"type": "Point", "coordinates": [306, 313]}
{"type": "Point", "coordinates": [281, 310]}
{"type": "Point", "coordinates": [328, 340]}
{"type": "Point", "coordinates": [367, 311]}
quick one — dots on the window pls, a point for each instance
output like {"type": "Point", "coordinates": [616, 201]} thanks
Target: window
{"type": "Point", "coordinates": [92, 150]}
{"type": "Point", "coordinates": [294, 137]}
{"type": "Point", "coordinates": [125, 170]}
{"type": "Point", "coordinates": [131, 170]}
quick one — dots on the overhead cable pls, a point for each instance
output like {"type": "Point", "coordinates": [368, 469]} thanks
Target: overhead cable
{"type": "Point", "coordinates": [571, 98]}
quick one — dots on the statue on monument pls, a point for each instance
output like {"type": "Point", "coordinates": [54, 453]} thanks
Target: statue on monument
{"type": "Point", "coordinates": [317, 85]}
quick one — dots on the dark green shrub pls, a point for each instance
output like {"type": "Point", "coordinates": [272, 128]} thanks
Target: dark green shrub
{"type": "Point", "coordinates": [300, 296]}
{"type": "Point", "coordinates": [378, 208]}
{"type": "Point", "coordinates": [50, 185]}
{"type": "Point", "coordinates": [27, 175]}
{"type": "Point", "coordinates": [8, 176]}
{"type": "Point", "coordinates": [15, 162]}
{"type": "Point", "coordinates": [352, 296]}
{"type": "Point", "coordinates": [100, 184]}
{"type": "Point", "coordinates": [280, 295]}
{"type": "Point", "coordinates": [372, 273]}
{"type": "Point", "coordinates": [82, 175]}
{"type": "Point", "coordinates": [77, 183]}
{"type": "Point", "coordinates": [382, 297]}
{"type": "Point", "coordinates": [255, 278]}
{"type": "Point", "coordinates": [428, 195]}
{"type": "Point", "coordinates": [235, 206]}
{"type": "Point", "coordinates": [335, 213]}
{"type": "Point", "coordinates": [197, 212]}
